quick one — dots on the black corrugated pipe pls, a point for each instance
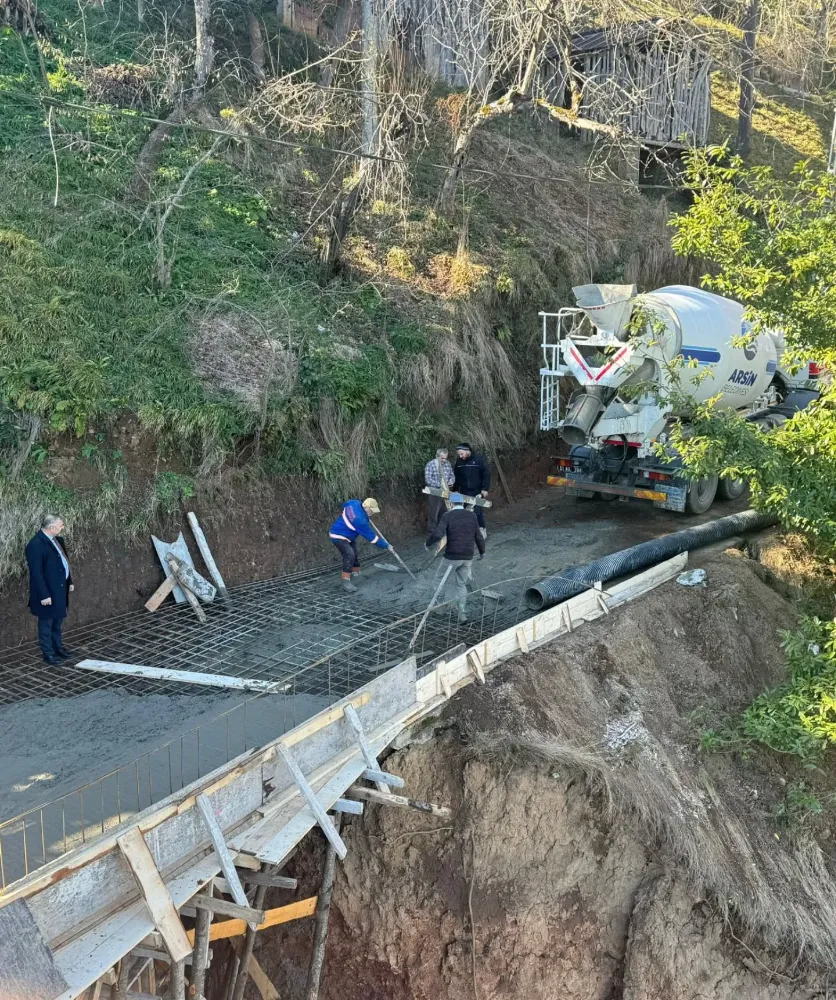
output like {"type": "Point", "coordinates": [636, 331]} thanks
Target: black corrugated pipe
{"type": "Point", "coordinates": [576, 580]}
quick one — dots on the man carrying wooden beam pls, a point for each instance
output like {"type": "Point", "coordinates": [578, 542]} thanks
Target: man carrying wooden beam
{"type": "Point", "coordinates": [438, 474]}
{"type": "Point", "coordinates": [354, 521]}
{"type": "Point", "coordinates": [473, 478]}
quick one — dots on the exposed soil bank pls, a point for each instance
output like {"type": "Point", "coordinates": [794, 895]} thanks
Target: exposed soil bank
{"type": "Point", "coordinates": [598, 853]}
{"type": "Point", "coordinates": [256, 532]}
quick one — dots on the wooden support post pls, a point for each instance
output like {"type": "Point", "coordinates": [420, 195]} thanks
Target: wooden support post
{"type": "Point", "coordinates": [254, 971]}
{"type": "Point", "coordinates": [123, 978]}
{"type": "Point", "coordinates": [206, 553]}
{"type": "Point", "coordinates": [521, 639]}
{"type": "Point", "coordinates": [323, 910]}
{"type": "Point", "coordinates": [177, 987]}
{"type": "Point", "coordinates": [245, 954]}
{"type": "Point", "coordinates": [385, 799]}
{"type": "Point", "coordinates": [161, 908]}
{"type": "Point", "coordinates": [476, 666]}
{"type": "Point", "coordinates": [200, 964]}
{"type": "Point", "coordinates": [313, 802]}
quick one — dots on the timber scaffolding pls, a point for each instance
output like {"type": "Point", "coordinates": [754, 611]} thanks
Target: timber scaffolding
{"type": "Point", "coordinates": [90, 917]}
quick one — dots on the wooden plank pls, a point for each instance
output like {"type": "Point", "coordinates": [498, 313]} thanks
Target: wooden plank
{"type": "Point", "coordinates": [88, 954]}
{"type": "Point", "coordinates": [323, 719]}
{"type": "Point", "coordinates": [236, 890]}
{"type": "Point", "coordinates": [354, 721]}
{"type": "Point", "coordinates": [521, 639]}
{"type": "Point", "coordinates": [272, 918]}
{"type": "Point", "coordinates": [190, 597]}
{"type": "Point", "coordinates": [294, 826]}
{"type": "Point", "coordinates": [385, 799]}
{"type": "Point", "coordinates": [313, 803]}
{"type": "Point", "coordinates": [160, 594]}
{"type": "Point", "coordinates": [27, 967]}
{"type": "Point", "coordinates": [181, 551]}
{"type": "Point", "coordinates": [347, 806]}
{"type": "Point", "coordinates": [157, 899]}
{"type": "Point", "coordinates": [265, 878]}
{"type": "Point", "coordinates": [189, 579]}
{"type": "Point", "coordinates": [206, 553]}
{"type": "Point", "coordinates": [212, 904]}
{"type": "Point", "coordinates": [469, 501]}
{"type": "Point", "coordinates": [383, 778]}
{"type": "Point", "coordinates": [180, 676]}
{"type": "Point", "coordinates": [141, 951]}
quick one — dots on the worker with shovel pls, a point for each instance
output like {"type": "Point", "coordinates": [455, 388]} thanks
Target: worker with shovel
{"type": "Point", "coordinates": [354, 521]}
{"type": "Point", "coordinates": [461, 529]}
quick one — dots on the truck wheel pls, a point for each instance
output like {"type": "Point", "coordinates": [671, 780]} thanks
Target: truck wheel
{"type": "Point", "coordinates": [730, 489]}
{"type": "Point", "coordinates": [701, 495]}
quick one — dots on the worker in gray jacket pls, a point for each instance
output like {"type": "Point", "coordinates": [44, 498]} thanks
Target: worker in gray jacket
{"type": "Point", "coordinates": [461, 528]}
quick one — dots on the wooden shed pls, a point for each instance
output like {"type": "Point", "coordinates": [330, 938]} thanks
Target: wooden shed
{"type": "Point", "coordinates": [648, 78]}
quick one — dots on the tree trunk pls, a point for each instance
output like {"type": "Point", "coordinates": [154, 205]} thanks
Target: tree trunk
{"type": "Point", "coordinates": [256, 44]}
{"type": "Point", "coordinates": [146, 162]}
{"type": "Point", "coordinates": [345, 207]}
{"type": "Point", "coordinates": [461, 151]}
{"type": "Point", "coordinates": [369, 78]}
{"type": "Point", "coordinates": [204, 44]}
{"type": "Point", "coordinates": [747, 79]}
{"type": "Point", "coordinates": [140, 10]}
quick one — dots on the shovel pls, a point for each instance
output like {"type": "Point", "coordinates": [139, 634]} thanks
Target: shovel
{"type": "Point", "coordinates": [392, 550]}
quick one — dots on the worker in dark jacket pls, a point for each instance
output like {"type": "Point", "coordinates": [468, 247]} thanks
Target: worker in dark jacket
{"type": "Point", "coordinates": [50, 584]}
{"type": "Point", "coordinates": [461, 529]}
{"type": "Point", "coordinates": [473, 478]}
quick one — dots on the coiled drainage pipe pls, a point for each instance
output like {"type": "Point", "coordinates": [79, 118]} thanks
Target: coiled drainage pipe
{"type": "Point", "coordinates": [576, 580]}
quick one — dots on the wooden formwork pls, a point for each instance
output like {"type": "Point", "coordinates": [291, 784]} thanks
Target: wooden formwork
{"type": "Point", "coordinates": [71, 925]}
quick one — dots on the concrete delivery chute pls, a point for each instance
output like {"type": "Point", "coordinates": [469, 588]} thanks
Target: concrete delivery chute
{"type": "Point", "coordinates": [639, 361]}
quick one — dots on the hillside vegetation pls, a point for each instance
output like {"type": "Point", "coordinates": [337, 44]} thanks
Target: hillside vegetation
{"type": "Point", "coordinates": [195, 312]}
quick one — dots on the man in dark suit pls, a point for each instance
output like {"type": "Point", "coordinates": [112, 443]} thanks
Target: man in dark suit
{"type": "Point", "coordinates": [50, 585]}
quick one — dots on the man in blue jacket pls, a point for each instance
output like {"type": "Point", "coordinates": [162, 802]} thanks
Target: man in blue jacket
{"type": "Point", "coordinates": [354, 521]}
{"type": "Point", "coordinates": [50, 585]}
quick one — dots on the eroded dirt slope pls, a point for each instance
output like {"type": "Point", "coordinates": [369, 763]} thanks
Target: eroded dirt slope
{"type": "Point", "coordinates": [596, 853]}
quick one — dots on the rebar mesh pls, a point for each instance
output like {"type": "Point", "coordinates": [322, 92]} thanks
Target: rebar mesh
{"type": "Point", "coordinates": [297, 632]}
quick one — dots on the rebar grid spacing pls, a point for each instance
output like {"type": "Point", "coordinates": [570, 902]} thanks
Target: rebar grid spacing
{"type": "Point", "coordinates": [316, 645]}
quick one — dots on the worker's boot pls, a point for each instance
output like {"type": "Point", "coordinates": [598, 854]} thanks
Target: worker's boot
{"type": "Point", "coordinates": [348, 586]}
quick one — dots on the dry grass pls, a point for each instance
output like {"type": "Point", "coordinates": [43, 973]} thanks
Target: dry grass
{"type": "Point", "coordinates": [796, 568]}
{"type": "Point", "coordinates": [236, 353]}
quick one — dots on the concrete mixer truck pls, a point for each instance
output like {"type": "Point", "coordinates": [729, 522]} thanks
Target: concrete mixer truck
{"type": "Point", "coordinates": [635, 363]}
